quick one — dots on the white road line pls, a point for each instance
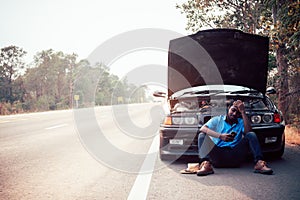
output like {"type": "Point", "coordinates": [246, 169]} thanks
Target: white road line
{"type": "Point", "coordinates": [142, 182]}
{"type": "Point", "coordinates": [57, 126]}
{"type": "Point", "coordinates": [4, 121]}
{"type": "Point", "coordinates": [11, 120]}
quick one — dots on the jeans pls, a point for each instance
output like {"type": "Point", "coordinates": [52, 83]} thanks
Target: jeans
{"type": "Point", "coordinates": [209, 151]}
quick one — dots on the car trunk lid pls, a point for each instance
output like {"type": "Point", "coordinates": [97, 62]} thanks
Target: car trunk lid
{"type": "Point", "coordinates": [218, 56]}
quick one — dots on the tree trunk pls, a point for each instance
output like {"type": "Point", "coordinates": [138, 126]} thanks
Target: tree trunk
{"type": "Point", "coordinates": [283, 82]}
{"type": "Point", "coordinates": [71, 93]}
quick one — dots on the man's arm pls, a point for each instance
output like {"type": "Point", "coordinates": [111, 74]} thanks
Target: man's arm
{"type": "Point", "coordinates": [210, 132]}
{"type": "Point", "coordinates": [225, 137]}
{"type": "Point", "coordinates": [247, 124]}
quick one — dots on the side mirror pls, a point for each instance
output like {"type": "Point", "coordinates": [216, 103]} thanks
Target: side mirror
{"type": "Point", "coordinates": [160, 94]}
{"type": "Point", "coordinates": [270, 90]}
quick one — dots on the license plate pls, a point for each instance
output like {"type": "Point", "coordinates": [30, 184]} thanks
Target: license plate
{"type": "Point", "coordinates": [270, 139]}
{"type": "Point", "coordinates": [176, 141]}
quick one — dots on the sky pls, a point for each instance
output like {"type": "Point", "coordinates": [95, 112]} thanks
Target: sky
{"type": "Point", "coordinates": [80, 26]}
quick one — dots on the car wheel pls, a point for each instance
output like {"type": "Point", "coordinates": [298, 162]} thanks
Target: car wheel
{"type": "Point", "coordinates": [279, 153]}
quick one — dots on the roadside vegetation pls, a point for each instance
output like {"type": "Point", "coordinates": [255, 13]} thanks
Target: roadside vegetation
{"type": "Point", "coordinates": [55, 80]}
{"type": "Point", "coordinates": [292, 135]}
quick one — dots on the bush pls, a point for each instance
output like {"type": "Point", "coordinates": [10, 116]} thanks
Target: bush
{"type": "Point", "coordinates": [44, 103]}
{"type": "Point", "coordinates": [5, 108]}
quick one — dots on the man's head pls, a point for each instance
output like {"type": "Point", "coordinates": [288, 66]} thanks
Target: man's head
{"type": "Point", "coordinates": [233, 111]}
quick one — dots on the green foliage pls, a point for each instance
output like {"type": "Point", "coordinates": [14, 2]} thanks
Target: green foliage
{"type": "Point", "coordinates": [278, 19]}
{"type": "Point", "coordinates": [11, 62]}
{"type": "Point", "coordinates": [243, 14]}
{"type": "Point", "coordinates": [53, 80]}
{"type": "Point", "coordinates": [285, 34]}
{"type": "Point", "coordinates": [271, 62]}
{"type": "Point", "coordinates": [45, 103]}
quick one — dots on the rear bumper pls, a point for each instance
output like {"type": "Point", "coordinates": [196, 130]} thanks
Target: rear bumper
{"type": "Point", "coordinates": [267, 132]}
{"type": "Point", "coordinates": [189, 136]}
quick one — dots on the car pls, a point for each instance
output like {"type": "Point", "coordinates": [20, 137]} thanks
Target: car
{"type": "Point", "coordinates": [207, 71]}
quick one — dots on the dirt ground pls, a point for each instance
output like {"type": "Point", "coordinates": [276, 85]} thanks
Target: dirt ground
{"type": "Point", "coordinates": [292, 135]}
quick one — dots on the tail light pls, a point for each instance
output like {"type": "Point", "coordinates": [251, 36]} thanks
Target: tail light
{"type": "Point", "coordinates": [265, 118]}
{"type": "Point", "coordinates": [180, 120]}
{"type": "Point", "coordinates": [255, 119]}
{"type": "Point", "coordinates": [168, 121]}
{"type": "Point", "coordinates": [277, 118]}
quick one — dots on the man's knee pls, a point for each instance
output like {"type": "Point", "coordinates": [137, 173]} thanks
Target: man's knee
{"type": "Point", "coordinates": [251, 136]}
{"type": "Point", "coordinates": [201, 135]}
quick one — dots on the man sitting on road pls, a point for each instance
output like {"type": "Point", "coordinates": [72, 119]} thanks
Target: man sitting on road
{"type": "Point", "coordinates": [229, 135]}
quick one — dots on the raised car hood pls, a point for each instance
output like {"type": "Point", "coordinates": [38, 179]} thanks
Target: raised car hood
{"type": "Point", "coordinates": [218, 56]}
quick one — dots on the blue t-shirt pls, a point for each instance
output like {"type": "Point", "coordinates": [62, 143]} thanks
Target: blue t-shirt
{"type": "Point", "coordinates": [219, 125]}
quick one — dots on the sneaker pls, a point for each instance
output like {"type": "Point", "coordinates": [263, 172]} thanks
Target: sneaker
{"type": "Point", "coordinates": [262, 168]}
{"type": "Point", "coordinates": [205, 169]}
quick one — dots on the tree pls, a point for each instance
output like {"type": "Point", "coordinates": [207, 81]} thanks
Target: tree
{"type": "Point", "coordinates": [53, 80]}
{"type": "Point", "coordinates": [283, 27]}
{"type": "Point", "coordinates": [240, 14]}
{"type": "Point", "coordinates": [72, 72]}
{"type": "Point", "coordinates": [11, 62]}
{"type": "Point", "coordinates": [50, 81]}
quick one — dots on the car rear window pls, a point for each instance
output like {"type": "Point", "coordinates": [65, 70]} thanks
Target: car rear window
{"type": "Point", "coordinates": [255, 104]}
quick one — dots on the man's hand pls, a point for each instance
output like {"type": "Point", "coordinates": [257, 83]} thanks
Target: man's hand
{"type": "Point", "coordinates": [240, 105]}
{"type": "Point", "coordinates": [226, 137]}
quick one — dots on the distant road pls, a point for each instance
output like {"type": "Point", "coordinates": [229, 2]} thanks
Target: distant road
{"type": "Point", "coordinates": [65, 155]}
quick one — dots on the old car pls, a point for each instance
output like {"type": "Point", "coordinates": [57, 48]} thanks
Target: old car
{"type": "Point", "coordinates": [206, 71]}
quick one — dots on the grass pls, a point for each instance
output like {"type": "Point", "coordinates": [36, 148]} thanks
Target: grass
{"type": "Point", "coordinates": [292, 135]}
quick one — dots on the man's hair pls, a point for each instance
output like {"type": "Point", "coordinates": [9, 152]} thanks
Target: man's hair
{"type": "Point", "coordinates": [230, 103]}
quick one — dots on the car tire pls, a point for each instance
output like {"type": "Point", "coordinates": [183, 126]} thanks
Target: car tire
{"type": "Point", "coordinates": [278, 154]}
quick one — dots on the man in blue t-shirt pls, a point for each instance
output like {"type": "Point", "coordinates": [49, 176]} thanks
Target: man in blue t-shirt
{"type": "Point", "coordinates": [228, 137]}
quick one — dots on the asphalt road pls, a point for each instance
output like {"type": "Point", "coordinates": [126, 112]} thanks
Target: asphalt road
{"type": "Point", "coordinates": [111, 153]}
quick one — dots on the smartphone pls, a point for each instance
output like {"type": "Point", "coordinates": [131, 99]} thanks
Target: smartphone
{"type": "Point", "coordinates": [233, 134]}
